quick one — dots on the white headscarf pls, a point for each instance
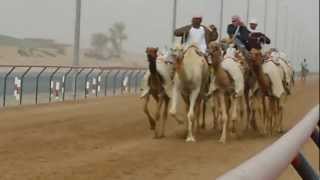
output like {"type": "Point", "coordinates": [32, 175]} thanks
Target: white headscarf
{"type": "Point", "coordinates": [253, 21]}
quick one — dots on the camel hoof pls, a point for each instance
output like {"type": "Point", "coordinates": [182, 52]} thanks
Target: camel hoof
{"type": "Point", "coordinates": [153, 127]}
{"type": "Point", "coordinates": [233, 130]}
{"type": "Point", "coordinates": [263, 133]}
{"type": "Point", "coordinates": [162, 136]}
{"type": "Point", "coordinates": [179, 122]}
{"type": "Point", "coordinates": [222, 141]}
{"type": "Point", "coordinates": [190, 140]}
{"type": "Point", "coordinates": [174, 116]}
{"type": "Point", "coordinates": [159, 137]}
{"type": "Point", "coordinates": [281, 131]}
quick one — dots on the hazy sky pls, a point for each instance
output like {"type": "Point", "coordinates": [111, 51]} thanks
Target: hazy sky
{"type": "Point", "coordinates": [149, 22]}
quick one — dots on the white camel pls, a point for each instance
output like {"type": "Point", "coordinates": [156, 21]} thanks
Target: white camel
{"type": "Point", "coordinates": [269, 91]}
{"type": "Point", "coordinates": [189, 81]}
{"type": "Point", "coordinates": [227, 88]}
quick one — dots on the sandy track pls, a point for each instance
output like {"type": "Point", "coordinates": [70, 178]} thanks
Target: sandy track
{"type": "Point", "coordinates": [108, 138]}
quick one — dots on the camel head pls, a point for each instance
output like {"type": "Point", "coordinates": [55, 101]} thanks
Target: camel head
{"type": "Point", "coordinates": [177, 54]}
{"type": "Point", "coordinates": [215, 53]}
{"type": "Point", "coordinates": [152, 55]}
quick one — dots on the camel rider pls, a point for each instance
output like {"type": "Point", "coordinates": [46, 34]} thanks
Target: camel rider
{"type": "Point", "coordinates": [238, 33]}
{"type": "Point", "coordinates": [197, 33]}
{"type": "Point", "coordinates": [256, 39]}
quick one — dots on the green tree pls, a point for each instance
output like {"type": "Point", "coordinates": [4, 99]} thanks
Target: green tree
{"type": "Point", "coordinates": [117, 36]}
{"type": "Point", "coordinates": [99, 42]}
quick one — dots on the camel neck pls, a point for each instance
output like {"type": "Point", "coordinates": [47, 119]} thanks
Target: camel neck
{"type": "Point", "coordinates": [262, 81]}
{"type": "Point", "coordinates": [152, 65]}
{"type": "Point", "coordinates": [216, 63]}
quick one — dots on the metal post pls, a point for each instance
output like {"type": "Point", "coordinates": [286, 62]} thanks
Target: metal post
{"type": "Point", "coordinates": [75, 83]}
{"type": "Point", "coordinates": [130, 81]}
{"type": "Point", "coordinates": [22, 80]}
{"type": "Point", "coordinates": [106, 83]}
{"type": "Point", "coordinates": [115, 81]}
{"type": "Point", "coordinates": [265, 16]}
{"type": "Point", "coordinates": [86, 81]}
{"type": "Point", "coordinates": [64, 83]}
{"type": "Point", "coordinates": [174, 19]}
{"type": "Point", "coordinates": [286, 24]}
{"type": "Point", "coordinates": [221, 20]}
{"type": "Point", "coordinates": [101, 71]}
{"type": "Point", "coordinates": [77, 34]}
{"type": "Point", "coordinates": [142, 76]}
{"type": "Point", "coordinates": [50, 79]}
{"type": "Point", "coordinates": [303, 168]}
{"type": "Point", "coordinates": [5, 86]}
{"type": "Point", "coordinates": [122, 79]}
{"type": "Point", "coordinates": [248, 10]}
{"type": "Point", "coordinates": [136, 81]}
{"type": "Point", "coordinates": [37, 83]}
{"type": "Point", "coordinates": [276, 24]}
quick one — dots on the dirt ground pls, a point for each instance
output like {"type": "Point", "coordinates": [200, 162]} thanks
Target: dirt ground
{"type": "Point", "coordinates": [108, 138]}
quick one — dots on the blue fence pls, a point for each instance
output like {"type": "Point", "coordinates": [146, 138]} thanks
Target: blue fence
{"type": "Point", "coordinates": [42, 84]}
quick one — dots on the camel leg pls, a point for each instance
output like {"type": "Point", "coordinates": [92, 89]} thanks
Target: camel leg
{"type": "Point", "coordinates": [203, 125]}
{"type": "Point", "coordinates": [273, 115]}
{"type": "Point", "coordinates": [257, 114]}
{"type": "Point", "coordinates": [269, 116]}
{"type": "Point", "coordinates": [260, 115]}
{"type": "Point", "coordinates": [280, 113]}
{"type": "Point", "coordinates": [243, 114]}
{"type": "Point", "coordinates": [224, 118]}
{"type": "Point", "coordinates": [214, 118]}
{"type": "Point", "coordinates": [193, 98]}
{"type": "Point", "coordinates": [266, 118]}
{"type": "Point", "coordinates": [164, 117]}
{"type": "Point", "coordinates": [146, 111]}
{"type": "Point", "coordinates": [218, 112]}
{"type": "Point", "coordinates": [198, 112]}
{"type": "Point", "coordinates": [213, 109]}
{"type": "Point", "coordinates": [174, 103]}
{"type": "Point", "coordinates": [158, 117]}
{"type": "Point", "coordinates": [234, 113]}
{"type": "Point", "coordinates": [248, 110]}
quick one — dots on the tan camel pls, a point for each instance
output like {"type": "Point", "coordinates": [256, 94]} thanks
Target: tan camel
{"type": "Point", "coordinates": [190, 80]}
{"type": "Point", "coordinates": [227, 90]}
{"type": "Point", "coordinates": [270, 92]}
{"type": "Point", "coordinates": [157, 91]}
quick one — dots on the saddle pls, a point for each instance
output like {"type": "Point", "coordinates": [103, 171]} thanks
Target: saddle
{"type": "Point", "coordinates": [272, 60]}
{"type": "Point", "coordinates": [199, 53]}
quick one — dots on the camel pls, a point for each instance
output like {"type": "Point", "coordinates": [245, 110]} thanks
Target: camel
{"type": "Point", "coordinates": [269, 92]}
{"type": "Point", "coordinates": [190, 80]}
{"type": "Point", "coordinates": [227, 87]}
{"type": "Point", "coordinates": [288, 81]}
{"type": "Point", "coordinates": [156, 83]}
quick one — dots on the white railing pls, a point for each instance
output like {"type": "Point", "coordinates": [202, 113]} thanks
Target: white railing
{"type": "Point", "coordinates": [272, 161]}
